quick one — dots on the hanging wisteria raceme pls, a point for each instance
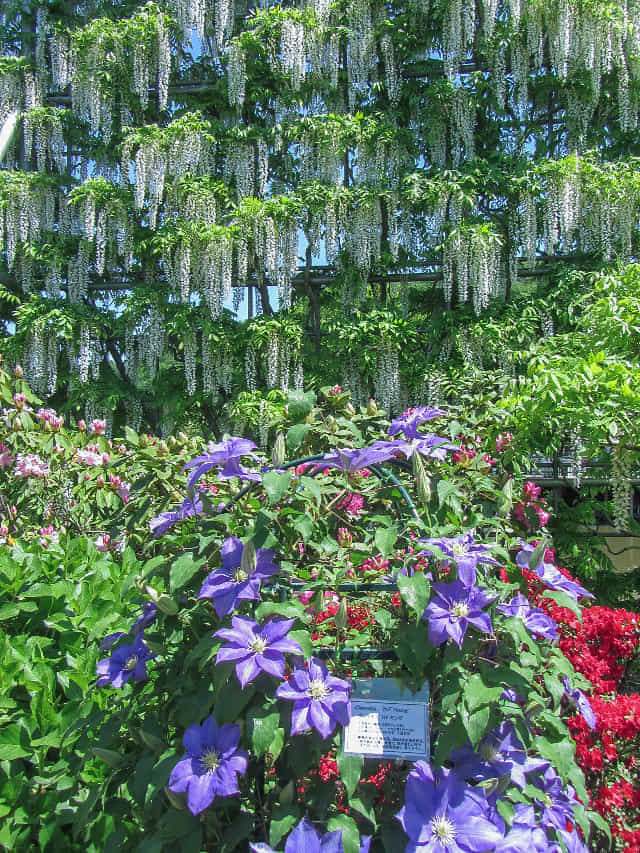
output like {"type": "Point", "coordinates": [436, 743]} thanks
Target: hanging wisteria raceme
{"type": "Point", "coordinates": [472, 260]}
{"type": "Point", "coordinates": [217, 368]}
{"type": "Point", "coordinates": [621, 488]}
{"type": "Point", "coordinates": [84, 354]}
{"type": "Point", "coordinates": [387, 379]}
{"type": "Point", "coordinates": [250, 373]}
{"type": "Point", "coordinates": [236, 75]}
{"type": "Point", "coordinates": [190, 345]}
{"type": "Point", "coordinates": [35, 359]}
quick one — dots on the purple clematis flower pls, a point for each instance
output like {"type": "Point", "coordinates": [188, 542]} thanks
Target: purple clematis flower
{"type": "Point", "coordinates": [148, 617]}
{"type": "Point", "coordinates": [227, 455]}
{"type": "Point", "coordinates": [410, 420]}
{"type": "Point", "coordinates": [188, 508]}
{"type": "Point", "coordinates": [127, 662]}
{"type": "Point", "coordinates": [549, 574]}
{"type": "Point", "coordinates": [455, 607]}
{"type": "Point", "coordinates": [434, 446]}
{"type": "Point", "coordinates": [231, 584]}
{"type": "Point", "coordinates": [580, 702]}
{"type": "Point", "coordinates": [444, 815]}
{"type": "Point", "coordinates": [305, 838]}
{"type": "Point", "coordinates": [149, 614]}
{"type": "Point", "coordinates": [256, 648]}
{"type": "Point", "coordinates": [320, 700]}
{"type": "Point", "coordinates": [464, 552]}
{"type": "Point", "coordinates": [353, 459]}
{"type": "Point", "coordinates": [573, 841]}
{"type": "Point", "coordinates": [558, 803]}
{"type": "Point", "coordinates": [534, 618]}
{"type": "Point", "coordinates": [211, 766]}
{"type": "Point", "coordinates": [525, 834]}
{"type": "Point", "coordinates": [500, 753]}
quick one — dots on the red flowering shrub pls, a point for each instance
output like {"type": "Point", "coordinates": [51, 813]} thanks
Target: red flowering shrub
{"type": "Point", "coordinates": [604, 647]}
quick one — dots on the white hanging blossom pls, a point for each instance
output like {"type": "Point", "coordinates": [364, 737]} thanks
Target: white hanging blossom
{"type": "Point", "coordinates": [387, 379]}
{"type": "Point", "coordinates": [250, 374]}
{"type": "Point", "coordinates": [190, 355]}
{"type": "Point", "coordinates": [236, 75]}
{"type": "Point", "coordinates": [84, 354]}
{"type": "Point", "coordinates": [621, 487]}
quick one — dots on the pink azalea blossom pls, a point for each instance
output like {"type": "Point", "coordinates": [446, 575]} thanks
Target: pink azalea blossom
{"type": "Point", "coordinates": [97, 427]}
{"type": "Point", "coordinates": [103, 542]}
{"type": "Point", "coordinates": [6, 459]}
{"type": "Point", "coordinates": [90, 458]}
{"type": "Point", "coordinates": [30, 465]}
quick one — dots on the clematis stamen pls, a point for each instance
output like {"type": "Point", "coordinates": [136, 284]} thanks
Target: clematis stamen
{"type": "Point", "coordinates": [443, 830]}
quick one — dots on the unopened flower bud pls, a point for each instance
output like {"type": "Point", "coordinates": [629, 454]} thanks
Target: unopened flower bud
{"type": "Point", "coordinates": [279, 451]}
{"type": "Point", "coordinates": [18, 372]}
{"type": "Point", "coordinates": [340, 618]}
{"type": "Point", "coordinates": [372, 407]}
{"type": "Point", "coordinates": [349, 410]}
{"type": "Point", "coordinates": [249, 560]}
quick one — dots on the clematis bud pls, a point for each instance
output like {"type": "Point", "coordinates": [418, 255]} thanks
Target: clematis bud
{"type": "Point", "coordinates": [111, 758]}
{"type": "Point", "coordinates": [340, 618]}
{"type": "Point", "coordinates": [279, 452]}
{"type": "Point", "coordinates": [423, 480]}
{"type": "Point", "coordinates": [372, 407]}
{"type": "Point", "coordinates": [349, 410]}
{"type": "Point", "coordinates": [249, 560]}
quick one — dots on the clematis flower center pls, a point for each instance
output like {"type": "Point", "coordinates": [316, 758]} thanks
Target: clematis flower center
{"type": "Point", "coordinates": [210, 760]}
{"type": "Point", "coordinates": [257, 644]}
{"type": "Point", "coordinates": [488, 752]}
{"type": "Point", "coordinates": [548, 802]}
{"type": "Point", "coordinates": [240, 575]}
{"type": "Point", "coordinates": [460, 609]}
{"type": "Point", "coordinates": [443, 830]}
{"type": "Point", "coordinates": [460, 549]}
{"type": "Point", "coordinates": [317, 689]}
{"type": "Point", "coordinates": [132, 663]}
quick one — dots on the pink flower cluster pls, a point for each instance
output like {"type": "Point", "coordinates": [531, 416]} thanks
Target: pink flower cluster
{"type": "Point", "coordinates": [531, 502]}
{"type": "Point", "coordinates": [51, 418]}
{"type": "Point", "coordinates": [30, 465]}
{"type": "Point", "coordinates": [91, 456]}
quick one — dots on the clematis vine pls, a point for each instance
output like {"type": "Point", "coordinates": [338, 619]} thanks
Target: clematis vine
{"type": "Point", "coordinates": [257, 648]}
{"type": "Point", "coordinates": [320, 701]}
{"type": "Point", "coordinates": [225, 455]}
{"type": "Point", "coordinates": [464, 552]}
{"type": "Point", "coordinates": [455, 607]}
{"type": "Point", "coordinates": [234, 582]}
{"type": "Point", "coordinates": [211, 765]}
{"type": "Point", "coordinates": [534, 618]}
{"type": "Point", "coordinates": [442, 814]}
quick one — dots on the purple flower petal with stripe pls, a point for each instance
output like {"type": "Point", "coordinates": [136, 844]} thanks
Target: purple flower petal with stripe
{"type": "Point", "coordinates": [211, 766]}
{"type": "Point", "coordinates": [455, 607]}
{"type": "Point", "coordinates": [256, 648]}
{"type": "Point", "coordinates": [231, 584]}
{"type": "Point", "coordinates": [320, 701]}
